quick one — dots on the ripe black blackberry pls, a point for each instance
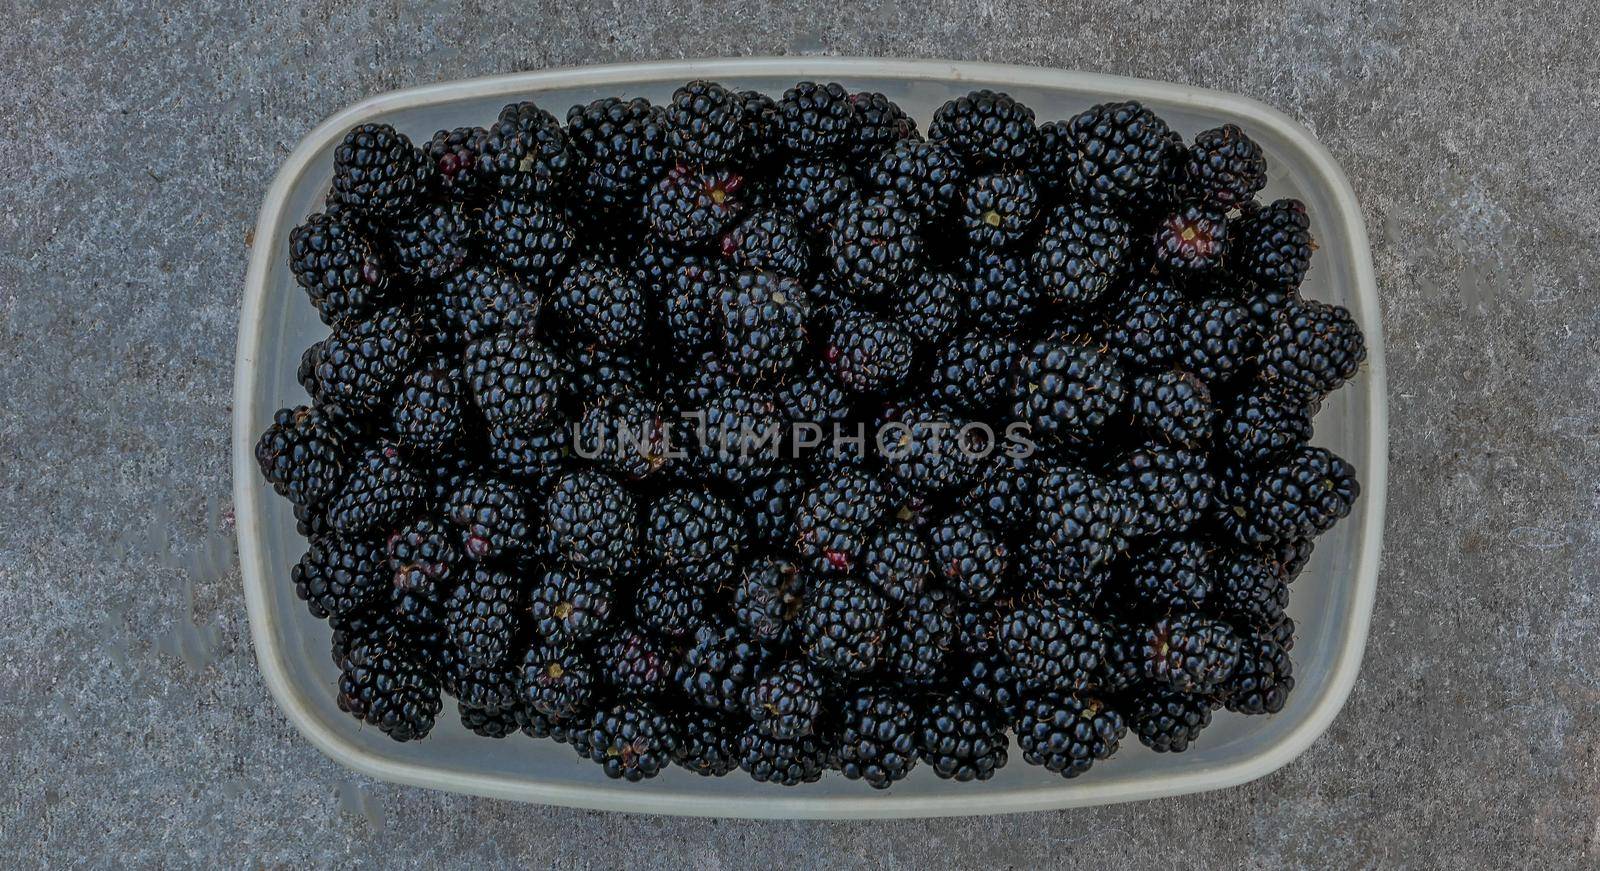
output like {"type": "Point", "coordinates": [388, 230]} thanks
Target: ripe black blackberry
{"type": "Point", "coordinates": [627, 433]}
{"type": "Point", "coordinates": [1301, 495]}
{"type": "Point", "coordinates": [631, 740]}
{"type": "Point", "coordinates": [764, 325]}
{"type": "Point", "coordinates": [897, 562]}
{"type": "Point", "coordinates": [1082, 251]}
{"type": "Point", "coordinates": [526, 152]}
{"type": "Point", "coordinates": [685, 295]}
{"type": "Point", "coordinates": [962, 738]}
{"type": "Point", "coordinates": [1059, 573]}
{"type": "Point", "coordinates": [1053, 158]}
{"type": "Point", "coordinates": [417, 601]}
{"type": "Point", "coordinates": [785, 700]}
{"type": "Point", "coordinates": [1290, 557]}
{"type": "Point", "coordinates": [708, 744]}
{"type": "Point", "coordinates": [496, 723]}
{"type": "Point", "coordinates": [816, 119]}
{"type": "Point", "coordinates": [529, 237]}
{"type": "Point", "coordinates": [1263, 680]}
{"type": "Point", "coordinates": [484, 687]}
{"type": "Point", "coordinates": [692, 204]}
{"type": "Point", "coordinates": [1262, 423]}
{"type": "Point", "coordinates": [433, 242]}
{"type": "Point", "coordinates": [1065, 392]}
{"type": "Point", "coordinates": [600, 303]}
{"type": "Point", "coordinates": [928, 306]}
{"type": "Point", "coordinates": [1193, 238]}
{"type": "Point", "coordinates": [968, 556]}
{"type": "Point", "coordinates": [558, 682]}
{"type": "Point", "coordinates": [378, 172]}
{"type": "Point", "coordinates": [1120, 154]}
{"type": "Point", "coordinates": [760, 125]}
{"type": "Point", "coordinates": [629, 661]}
{"type": "Point", "coordinates": [1170, 488]}
{"type": "Point", "coordinates": [532, 458]}
{"type": "Point", "coordinates": [339, 576]}
{"type": "Point", "coordinates": [717, 666]}
{"type": "Point", "coordinates": [1002, 492]}
{"type": "Point", "coordinates": [426, 544]}
{"type": "Point", "coordinates": [667, 605]}
{"type": "Point", "coordinates": [1173, 405]}
{"type": "Point", "coordinates": [429, 409]}
{"type": "Point", "coordinates": [919, 639]}
{"type": "Point", "coordinates": [987, 129]}
{"type": "Point", "coordinates": [483, 299]}
{"type": "Point", "coordinates": [491, 516]}
{"type": "Point", "coordinates": [991, 680]}
{"type": "Point", "coordinates": [454, 155]}
{"type": "Point", "coordinates": [362, 362]}
{"type": "Point", "coordinates": [1002, 297]}
{"type": "Point", "coordinates": [1272, 244]}
{"type": "Point", "coordinates": [1169, 575]}
{"type": "Point", "coordinates": [344, 274]}
{"type": "Point", "coordinates": [877, 740]}
{"type": "Point", "coordinates": [928, 450]}
{"type": "Point", "coordinates": [706, 123]}
{"type": "Point", "coordinates": [786, 763]}
{"type": "Point", "coordinates": [814, 396]}
{"type": "Point", "coordinates": [1055, 647]}
{"type": "Point", "coordinates": [841, 623]}
{"type": "Point", "coordinates": [873, 244]}
{"type": "Point", "coordinates": [591, 523]}
{"type": "Point", "coordinates": [695, 534]}
{"type": "Point", "coordinates": [1311, 348]}
{"type": "Point", "coordinates": [811, 189]}
{"type": "Point", "coordinates": [1144, 333]}
{"type": "Point", "coordinates": [385, 685]}
{"type": "Point", "coordinates": [1248, 591]}
{"type": "Point", "coordinates": [597, 374]}
{"type": "Point", "coordinates": [928, 177]}
{"type": "Point", "coordinates": [380, 490]}
{"type": "Point", "coordinates": [1079, 517]}
{"type": "Point", "coordinates": [1188, 653]}
{"type": "Point", "coordinates": [835, 518]}
{"type": "Point", "coordinates": [1166, 721]}
{"type": "Point", "coordinates": [1067, 734]}
{"type": "Point", "coordinates": [483, 614]}
{"type": "Point", "coordinates": [999, 209]}
{"type": "Point", "coordinates": [624, 148]}
{"type": "Point", "coordinates": [565, 607]}
{"type": "Point", "coordinates": [1225, 166]}
{"type": "Point", "coordinates": [769, 240]}
{"type": "Point", "coordinates": [302, 454]}
{"type": "Point", "coordinates": [743, 436]}
{"type": "Point", "coordinates": [766, 602]}
{"type": "Point", "coordinates": [973, 372]}
{"type": "Point", "coordinates": [1216, 339]}
{"type": "Point", "coordinates": [768, 511]}
{"type": "Point", "coordinates": [868, 353]}
{"type": "Point", "coordinates": [516, 381]}
{"type": "Point", "coordinates": [877, 125]}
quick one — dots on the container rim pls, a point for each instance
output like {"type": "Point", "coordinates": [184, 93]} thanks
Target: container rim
{"type": "Point", "coordinates": [248, 509]}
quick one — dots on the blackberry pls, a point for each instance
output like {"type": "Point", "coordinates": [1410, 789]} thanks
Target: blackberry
{"type": "Point", "coordinates": [919, 637]}
{"type": "Point", "coordinates": [719, 663]}
{"type": "Point", "coordinates": [1261, 424]}
{"type": "Point", "coordinates": [835, 518]}
{"type": "Point", "coordinates": [991, 680]}
{"type": "Point", "coordinates": [1311, 348]}
{"type": "Point", "coordinates": [1193, 238]}
{"type": "Point", "coordinates": [628, 434]}
{"type": "Point", "coordinates": [431, 243]}
{"type": "Point", "coordinates": [558, 682]}
{"type": "Point", "coordinates": [1002, 495]}
{"type": "Point", "coordinates": [632, 662]}
{"type": "Point", "coordinates": [1216, 339]}
{"type": "Point", "coordinates": [1170, 487]}
{"type": "Point", "coordinates": [928, 306]}
{"type": "Point", "coordinates": [385, 686]}
{"type": "Point", "coordinates": [454, 154]}
{"type": "Point", "coordinates": [877, 125]}
{"type": "Point", "coordinates": [345, 275]}
{"type": "Point", "coordinates": [427, 545]}
{"type": "Point", "coordinates": [760, 142]}
{"type": "Point", "coordinates": [532, 458]}
{"type": "Point", "coordinates": [929, 451]}
{"type": "Point", "coordinates": [380, 489]}
{"type": "Point", "coordinates": [873, 244]}
{"type": "Point", "coordinates": [962, 739]}
{"type": "Point", "coordinates": [566, 607]}
{"type": "Point", "coordinates": [1263, 679]}
{"type": "Point", "coordinates": [1123, 671]}
{"type": "Point", "coordinates": [1272, 244]}
{"type": "Point", "coordinates": [766, 602]}
{"type": "Point", "coordinates": [768, 509]}
{"type": "Point", "coordinates": [785, 702]}
{"type": "Point", "coordinates": [624, 146]}
{"type": "Point", "coordinates": [601, 304]}
{"type": "Point", "coordinates": [1002, 297]}
{"type": "Point", "coordinates": [481, 300]}
{"type": "Point", "coordinates": [986, 128]}
{"type": "Point", "coordinates": [491, 517]}
{"type": "Point", "coordinates": [667, 605]}
{"type": "Point", "coordinates": [786, 763]}
{"type": "Point", "coordinates": [972, 372]}
{"type": "Point", "coordinates": [706, 123]}
{"type": "Point", "coordinates": [417, 600]}
{"type": "Point", "coordinates": [599, 374]}
{"type": "Point", "coordinates": [338, 576]}
{"type": "Point", "coordinates": [969, 556]}
{"type": "Point", "coordinates": [928, 177]}
{"type": "Point", "coordinates": [1189, 653]}
{"type": "Point", "coordinates": [428, 411]}
{"type": "Point", "coordinates": [591, 523]}
{"type": "Point", "coordinates": [691, 204]}
{"type": "Point", "coordinates": [378, 172]}
{"type": "Point", "coordinates": [1144, 334]}
{"type": "Point", "coordinates": [708, 745]}
{"type": "Point", "coordinates": [814, 396]}
{"type": "Point", "coordinates": [496, 723]}
{"type": "Point", "coordinates": [302, 455]}
{"type": "Point", "coordinates": [686, 301]}
{"type": "Point", "coordinates": [816, 119]}
{"type": "Point", "coordinates": [482, 616]}
{"type": "Point", "coordinates": [763, 317]}
{"type": "Point", "coordinates": [362, 362]}
{"type": "Point", "coordinates": [1055, 647]}
{"type": "Point", "coordinates": [999, 209]}
{"type": "Point", "coordinates": [696, 534]}
{"type": "Point", "coordinates": [897, 562]}
{"type": "Point", "coordinates": [868, 353]}
{"type": "Point", "coordinates": [1167, 721]}
{"type": "Point", "coordinates": [1119, 154]}
{"type": "Point", "coordinates": [1059, 573]}
{"type": "Point", "coordinates": [515, 380]}
{"type": "Point", "coordinates": [1290, 557]}
{"type": "Point", "coordinates": [742, 436]}
{"type": "Point", "coordinates": [813, 190]}
{"type": "Point", "coordinates": [769, 240]}
{"type": "Point", "coordinates": [1169, 575]}
{"type": "Point", "coordinates": [1079, 516]}
{"type": "Point", "coordinates": [1173, 405]}
{"type": "Point", "coordinates": [878, 739]}
{"type": "Point", "coordinates": [1068, 734]}
{"type": "Point", "coordinates": [1082, 251]}
{"type": "Point", "coordinates": [1225, 166]}
{"type": "Point", "coordinates": [1301, 495]}
{"type": "Point", "coordinates": [1053, 158]}
{"type": "Point", "coordinates": [842, 625]}
{"type": "Point", "coordinates": [1249, 590]}
{"type": "Point", "coordinates": [631, 740]}
{"type": "Point", "coordinates": [1064, 392]}
{"type": "Point", "coordinates": [528, 237]}
{"type": "Point", "coordinates": [526, 152]}
{"type": "Point", "coordinates": [484, 687]}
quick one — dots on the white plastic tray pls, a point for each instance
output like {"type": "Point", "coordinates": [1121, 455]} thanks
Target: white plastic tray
{"type": "Point", "coordinates": [1332, 602]}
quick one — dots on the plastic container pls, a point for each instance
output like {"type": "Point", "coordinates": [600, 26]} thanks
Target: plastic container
{"type": "Point", "coordinates": [1332, 602]}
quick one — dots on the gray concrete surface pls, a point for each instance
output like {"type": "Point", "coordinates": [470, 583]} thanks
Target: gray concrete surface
{"type": "Point", "coordinates": [139, 138]}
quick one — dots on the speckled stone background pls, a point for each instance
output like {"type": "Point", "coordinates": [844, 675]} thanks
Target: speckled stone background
{"type": "Point", "coordinates": [140, 137]}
